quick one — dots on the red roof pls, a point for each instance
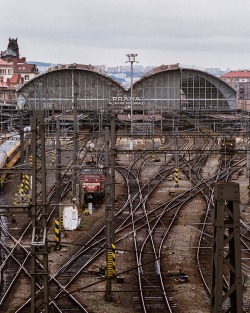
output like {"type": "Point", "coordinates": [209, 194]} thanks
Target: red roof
{"type": "Point", "coordinates": [16, 79]}
{"type": "Point", "coordinates": [5, 63]}
{"type": "Point", "coordinates": [25, 68]}
{"type": "Point", "coordinates": [236, 74]}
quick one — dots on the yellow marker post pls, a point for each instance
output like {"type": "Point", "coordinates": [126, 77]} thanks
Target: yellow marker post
{"type": "Point", "coordinates": [57, 234]}
{"type": "Point", "coordinates": [30, 160]}
{"type": "Point", "coordinates": [111, 262]}
{"type": "Point", "coordinates": [176, 177]}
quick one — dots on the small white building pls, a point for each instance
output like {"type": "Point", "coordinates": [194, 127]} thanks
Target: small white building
{"type": "Point", "coordinates": [71, 220]}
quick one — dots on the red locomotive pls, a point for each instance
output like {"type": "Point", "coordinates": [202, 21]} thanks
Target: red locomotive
{"type": "Point", "coordinates": [93, 184]}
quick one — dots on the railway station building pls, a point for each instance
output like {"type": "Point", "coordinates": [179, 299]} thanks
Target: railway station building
{"type": "Point", "coordinates": [161, 92]}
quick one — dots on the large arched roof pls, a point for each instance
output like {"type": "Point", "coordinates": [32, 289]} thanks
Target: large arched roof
{"type": "Point", "coordinates": [185, 88]}
{"type": "Point", "coordinates": [167, 87]}
{"type": "Point", "coordinates": [55, 88]}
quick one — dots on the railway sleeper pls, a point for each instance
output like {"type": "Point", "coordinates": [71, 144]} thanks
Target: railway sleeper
{"type": "Point", "coordinates": [156, 305]}
{"type": "Point", "coordinates": [170, 299]}
{"type": "Point", "coordinates": [136, 298]}
{"type": "Point", "coordinates": [155, 288]}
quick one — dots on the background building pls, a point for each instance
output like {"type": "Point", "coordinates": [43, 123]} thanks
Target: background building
{"type": "Point", "coordinates": [14, 71]}
{"type": "Point", "coordinates": [240, 82]}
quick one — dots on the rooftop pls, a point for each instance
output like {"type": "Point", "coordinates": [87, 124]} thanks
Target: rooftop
{"type": "Point", "coordinates": [234, 74]}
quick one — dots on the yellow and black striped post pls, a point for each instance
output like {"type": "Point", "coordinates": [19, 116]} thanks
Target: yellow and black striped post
{"type": "Point", "coordinates": [26, 182]}
{"type": "Point", "coordinates": [153, 157]}
{"type": "Point", "coordinates": [176, 177]}
{"type": "Point", "coordinates": [30, 160]}
{"type": "Point", "coordinates": [57, 234]}
{"type": "Point", "coordinates": [22, 190]}
{"type": "Point", "coordinates": [53, 156]}
{"type": "Point", "coordinates": [111, 262]}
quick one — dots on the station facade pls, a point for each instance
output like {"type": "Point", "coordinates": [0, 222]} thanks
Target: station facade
{"type": "Point", "coordinates": [165, 88]}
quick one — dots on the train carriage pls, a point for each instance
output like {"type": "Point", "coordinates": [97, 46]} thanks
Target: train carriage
{"type": "Point", "coordinates": [9, 155]}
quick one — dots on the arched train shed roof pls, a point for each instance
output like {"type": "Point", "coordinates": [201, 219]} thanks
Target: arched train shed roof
{"type": "Point", "coordinates": [185, 88]}
{"type": "Point", "coordinates": [54, 89]}
{"type": "Point", "coordinates": [167, 87]}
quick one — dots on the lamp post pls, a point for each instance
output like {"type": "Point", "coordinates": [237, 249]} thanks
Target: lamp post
{"type": "Point", "coordinates": [75, 137]}
{"type": "Point", "coordinates": [131, 60]}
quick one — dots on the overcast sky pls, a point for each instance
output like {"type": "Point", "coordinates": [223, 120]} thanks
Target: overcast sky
{"type": "Point", "coordinates": [212, 33]}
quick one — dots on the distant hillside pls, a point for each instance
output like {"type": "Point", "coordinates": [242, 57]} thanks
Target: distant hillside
{"type": "Point", "coordinates": [119, 80]}
{"type": "Point", "coordinates": [41, 64]}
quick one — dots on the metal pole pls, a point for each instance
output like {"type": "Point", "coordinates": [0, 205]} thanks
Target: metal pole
{"type": "Point", "coordinates": [176, 159]}
{"type": "Point", "coordinates": [21, 143]}
{"type": "Point", "coordinates": [52, 126]}
{"type": "Point", "coordinates": [113, 140]}
{"type": "Point", "coordinates": [190, 179]}
{"type": "Point", "coordinates": [75, 145]}
{"type": "Point", "coordinates": [75, 152]}
{"type": "Point", "coordinates": [226, 250]}
{"type": "Point", "coordinates": [108, 210]}
{"type": "Point", "coordinates": [248, 173]}
{"type": "Point", "coordinates": [58, 161]}
{"type": "Point", "coordinates": [39, 247]}
{"type": "Point", "coordinates": [131, 99]}
{"type": "Point", "coordinates": [131, 59]}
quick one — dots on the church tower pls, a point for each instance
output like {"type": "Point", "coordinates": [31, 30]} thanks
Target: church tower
{"type": "Point", "coordinates": [12, 50]}
{"type": "Point", "coordinates": [13, 45]}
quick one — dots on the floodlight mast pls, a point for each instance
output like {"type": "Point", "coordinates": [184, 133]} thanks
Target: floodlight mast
{"type": "Point", "coordinates": [73, 67]}
{"type": "Point", "coordinates": [131, 60]}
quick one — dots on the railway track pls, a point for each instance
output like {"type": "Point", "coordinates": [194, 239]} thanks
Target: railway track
{"type": "Point", "coordinates": [149, 226]}
{"type": "Point", "coordinates": [16, 255]}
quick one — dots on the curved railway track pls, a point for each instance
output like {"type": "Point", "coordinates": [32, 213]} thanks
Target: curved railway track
{"type": "Point", "coordinates": [16, 256]}
{"type": "Point", "coordinates": [149, 226]}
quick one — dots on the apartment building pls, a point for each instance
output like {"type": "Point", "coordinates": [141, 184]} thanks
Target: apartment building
{"type": "Point", "coordinates": [240, 81]}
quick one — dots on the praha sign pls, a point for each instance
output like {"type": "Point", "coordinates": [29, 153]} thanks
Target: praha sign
{"type": "Point", "coordinates": [121, 101]}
